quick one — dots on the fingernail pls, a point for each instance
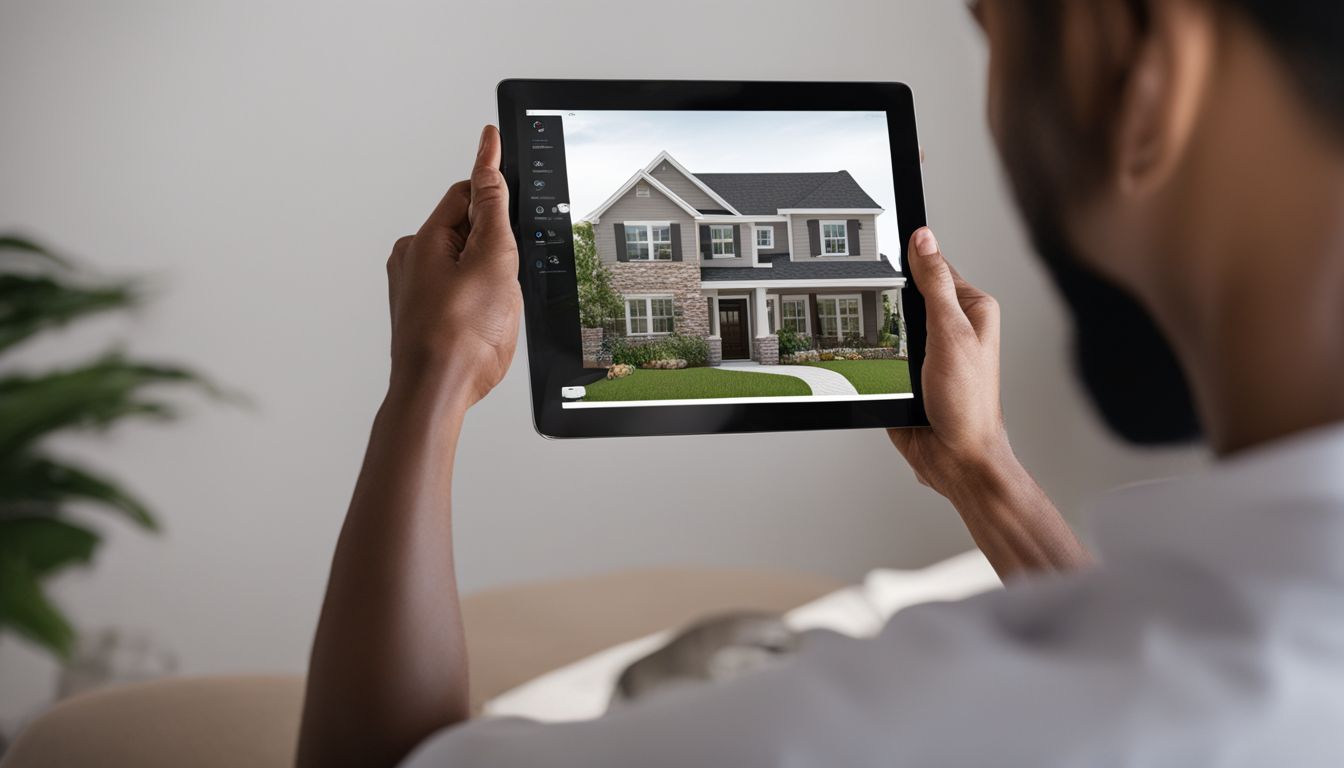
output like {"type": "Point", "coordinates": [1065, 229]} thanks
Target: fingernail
{"type": "Point", "coordinates": [480, 148]}
{"type": "Point", "coordinates": [925, 243]}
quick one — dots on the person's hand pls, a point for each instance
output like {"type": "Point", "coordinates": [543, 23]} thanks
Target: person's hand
{"type": "Point", "coordinates": [966, 436]}
{"type": "Point", "coordinates": [453, 287]}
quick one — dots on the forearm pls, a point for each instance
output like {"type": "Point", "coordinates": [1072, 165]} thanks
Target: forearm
{"type": "Point", "coordinates": [388, 664]}
{"type": "Point", "coordinates": [1012, 520]}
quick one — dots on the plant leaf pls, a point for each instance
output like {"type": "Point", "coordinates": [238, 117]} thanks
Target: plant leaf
{"type": "Point", "coordinates": [94, 395]}
{"type": "Point", "coordinates": [28, 482]}
{"type": "Point", "coordinates": [44, 545]}
{"type": "Point", "coordinates": [11, 242]}
{"type": "Point", "coordinates": [25, 609]}
{"type": "Point", "coordinates": [30, 304]}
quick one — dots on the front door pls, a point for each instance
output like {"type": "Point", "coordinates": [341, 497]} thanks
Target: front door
{"type": "Point", "coordinates": [733, 329]}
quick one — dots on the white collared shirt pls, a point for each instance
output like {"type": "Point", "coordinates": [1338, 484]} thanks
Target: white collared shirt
{"type": "Point", "coordinates": [1212, 635]}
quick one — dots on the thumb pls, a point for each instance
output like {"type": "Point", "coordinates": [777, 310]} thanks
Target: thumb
{"type": "Point", "coordinates": [934, 279]}
{"type": "Point", "coordinates": [489, 209]}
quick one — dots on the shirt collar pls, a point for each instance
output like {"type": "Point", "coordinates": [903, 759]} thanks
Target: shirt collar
{"type": "Point", "coordinates": [1277, 507]}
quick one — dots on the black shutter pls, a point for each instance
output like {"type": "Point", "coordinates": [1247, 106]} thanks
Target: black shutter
{"type": "Point", "coordinates": [737, 240]}
{"type": "Point", "coordinates": [814, 323]}
{"type": "Point", "coordinates": [676, 242]}
{"type": "Point", "coordinates": [706, 247]}
{"type": "Point", "coordinates": [853, 231]}
{"type": "Point", "coordinates": [814, 236]}
{"type": "Point", "coordinates": [620, 243]}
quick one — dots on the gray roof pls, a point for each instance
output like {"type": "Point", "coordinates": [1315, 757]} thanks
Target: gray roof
{"type": "Point", "coordinates": [757, 194]}
{"type": "Point", "coordinates": [782, 268]}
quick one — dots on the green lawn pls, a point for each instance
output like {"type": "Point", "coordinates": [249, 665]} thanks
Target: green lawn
{"type": "Point", "coordinates": [694, 384]}
{"type": "Point", "coordinates": [872, 377]}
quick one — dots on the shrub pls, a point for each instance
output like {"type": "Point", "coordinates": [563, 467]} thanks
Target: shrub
{"type": "Point", "coordinates": [692, 349]}
{"type": "Point", "coordinates": [854, 341]}
{"type": "Point", "coordinates": [792, 342]}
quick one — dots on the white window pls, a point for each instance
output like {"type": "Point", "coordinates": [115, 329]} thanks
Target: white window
{"type": "Point", "coordinates": [648, 315]}
{"type": "Point", "coordinates": [721, 240]}
{"type": "Point", "coordinates": [793, 314]}
{"type": "Point", "coordinates": [839, 316]}
{"type": "Point", "coordinates": [834, 238]}
{"type": "Point", "coordinates": [765, 237]}
{"type": "Point", "coordinates": [648, 241]}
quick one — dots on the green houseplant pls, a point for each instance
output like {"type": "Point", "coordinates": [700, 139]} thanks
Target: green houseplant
{"type": "Point", "coordinates": [38, 535]}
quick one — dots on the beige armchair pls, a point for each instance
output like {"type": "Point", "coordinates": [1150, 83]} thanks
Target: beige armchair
{"type": "Point", "coordinates": [513, 635]}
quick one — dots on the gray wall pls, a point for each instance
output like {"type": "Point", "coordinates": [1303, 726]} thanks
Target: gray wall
{"type": "Point", "coordinates": [802, 249]}
{"type": "Point", "coordinates": [683, 187]}
{"type": "Point", "coordinates": [655, 207]}
{"type": "Point", "coordinates": [257, 162]}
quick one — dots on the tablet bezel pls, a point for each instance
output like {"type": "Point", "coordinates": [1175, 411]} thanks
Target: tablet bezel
{"type": "Point", "coordinates": [554, 346]}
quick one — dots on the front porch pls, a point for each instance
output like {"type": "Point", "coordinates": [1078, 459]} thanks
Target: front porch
{"type": "Point", "coordinates": [744, 322]}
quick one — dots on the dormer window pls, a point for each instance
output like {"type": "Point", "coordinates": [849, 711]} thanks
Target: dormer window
{"type": "Point", "coordinates": [834, 238]}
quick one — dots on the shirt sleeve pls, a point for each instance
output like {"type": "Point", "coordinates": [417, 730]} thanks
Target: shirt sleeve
{"type": "Point", "coordinates": [944, 684]}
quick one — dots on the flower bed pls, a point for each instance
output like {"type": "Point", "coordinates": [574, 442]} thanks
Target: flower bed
{"type": "Point", "coordinates": [842, 353]}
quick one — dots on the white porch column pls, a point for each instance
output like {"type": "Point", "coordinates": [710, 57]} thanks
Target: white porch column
{"type": "Point", "coordinates": [714, 314]}
{"type": "Point", "coordinates": [762, 312]}
{"type": "Point", "coordinates": [765, 347]}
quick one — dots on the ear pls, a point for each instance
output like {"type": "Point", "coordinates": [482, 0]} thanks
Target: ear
{"type": "Point", "coordinates": [1169, 76]}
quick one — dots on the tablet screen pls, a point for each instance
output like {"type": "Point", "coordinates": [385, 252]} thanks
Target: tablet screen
{"type": "Point", "coordinates": [719, 257]}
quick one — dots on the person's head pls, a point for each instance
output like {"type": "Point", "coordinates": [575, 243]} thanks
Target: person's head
{"type": "Point", "coordinates": [1142, 139]}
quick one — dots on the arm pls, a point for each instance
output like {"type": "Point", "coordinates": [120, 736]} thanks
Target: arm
{"type": "Point", "coordinates": [389, 661]}
{"type": "Point", "coordinates": [965, 455]}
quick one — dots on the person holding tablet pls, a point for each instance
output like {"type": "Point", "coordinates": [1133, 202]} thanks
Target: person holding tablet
{"type": "Point", "coordinates": [1181, 167]}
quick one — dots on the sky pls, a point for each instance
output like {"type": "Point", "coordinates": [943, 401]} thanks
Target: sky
{"type": "Point", "coordinates": [603, 148]}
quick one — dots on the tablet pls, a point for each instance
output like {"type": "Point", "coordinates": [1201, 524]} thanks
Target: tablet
{"type": "Point", "coordinates": [713, 257]}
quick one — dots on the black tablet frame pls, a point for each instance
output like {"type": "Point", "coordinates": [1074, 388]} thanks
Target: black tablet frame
{"type": "Point", "coordinates": [554, 346]}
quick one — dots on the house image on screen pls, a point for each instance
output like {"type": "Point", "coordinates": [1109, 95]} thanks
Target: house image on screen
{"type": "Point", "coordinates": [734, 257]}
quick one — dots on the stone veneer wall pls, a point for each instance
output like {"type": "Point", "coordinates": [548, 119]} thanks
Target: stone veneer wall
{"type": "Point", "coordinates": [765, 350]}
{"type": "Point", "coordinates": [680, 279]}
{"type": "Point", "coordinates": [593, 356]}
{"type": "Point", "coordinates": [715, 350]}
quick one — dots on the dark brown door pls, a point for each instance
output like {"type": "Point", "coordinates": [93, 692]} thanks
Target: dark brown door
{"type": "Point", "coordinates": [733, 329]}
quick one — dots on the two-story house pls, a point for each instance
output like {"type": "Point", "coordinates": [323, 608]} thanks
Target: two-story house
{"type": "Point", "coordinates": [734, 257]}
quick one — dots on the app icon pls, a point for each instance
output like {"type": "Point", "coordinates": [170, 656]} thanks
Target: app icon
{"type": "Point", "coordinates": [538, 164]}
{"type": "Point", "coordinates": [539, 126]}
{"type": "Point", "coordinates": [539, 184]}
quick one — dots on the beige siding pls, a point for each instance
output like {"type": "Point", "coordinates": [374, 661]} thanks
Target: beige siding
{"type": "Point", "coordinates": [867, 237]}
{"type": "Point", "coordinates": [742, 259]}
{"type": "Point", "coordinates": [655, 207]}
{"type": "Point", "coordinates": [683, 187]}
{"type": "Point", "coordinates": [781, 239]}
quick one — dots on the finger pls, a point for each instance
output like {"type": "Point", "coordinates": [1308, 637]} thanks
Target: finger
{"type": "Point", "coordinates": [933, 276]}
{"type": "Point", "coordinates": [981, 309]}
{"type": "Point", "coordinates": [489, 194]}
{"type": "Point", "coordinates": [451, 213]}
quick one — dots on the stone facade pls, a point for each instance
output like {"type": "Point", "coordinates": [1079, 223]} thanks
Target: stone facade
{"type": "Point", "coordinates": [715, 350]}
{"type": "Point", "coordinates": [678, 278]}
{"type": "Point", "coordinates": [765, 350]}
{"type": "Point", "coordinates": [593, 354]}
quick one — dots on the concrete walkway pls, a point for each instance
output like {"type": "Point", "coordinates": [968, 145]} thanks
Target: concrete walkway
{"type": "Point", "coordinates": [821, 380]}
